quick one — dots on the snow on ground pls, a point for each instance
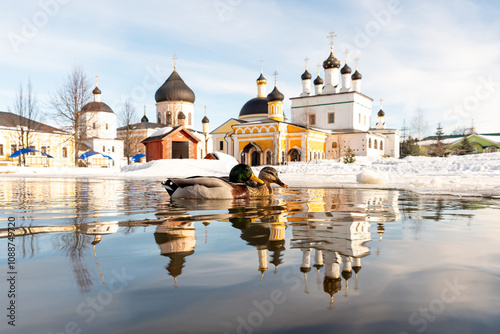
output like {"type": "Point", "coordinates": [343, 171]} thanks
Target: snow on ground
{"type": "Point", "coordinates": [470, 175]}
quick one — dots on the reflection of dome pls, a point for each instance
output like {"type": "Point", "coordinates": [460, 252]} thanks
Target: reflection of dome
{"type": "Point", "coordinates": [332, 285]}
{"type": "Point", "coordinates": [255, 106]}
{"type": "Point", "coordinates": [96, 106]}
{"type": "Point", "coordinates": [174, 89]}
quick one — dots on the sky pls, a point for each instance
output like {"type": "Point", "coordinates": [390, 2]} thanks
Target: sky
{"type": "Point", "coordinates": [437, 59]}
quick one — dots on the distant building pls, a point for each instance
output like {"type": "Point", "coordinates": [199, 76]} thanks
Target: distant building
{"type": "Point", "coordinates": [324, 123]}
{"type": "Point", "coordinates": [176, 139]}
{"type": "Point", "coordinates": [481, 143]}
{"type": "Point", "coordinates": [44, 138]}
{"type": "Point", "coordinates": [98, 130]}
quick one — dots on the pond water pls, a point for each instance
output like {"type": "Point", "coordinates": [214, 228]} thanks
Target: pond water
{"type": "Point", "coordinates": [117, 256]}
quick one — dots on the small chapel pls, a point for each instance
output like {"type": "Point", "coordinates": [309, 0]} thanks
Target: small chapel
{"type": "Point", "coordinates": [325, 122]}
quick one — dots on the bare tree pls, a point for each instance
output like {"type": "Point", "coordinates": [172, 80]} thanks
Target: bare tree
{"type": "Point", "coordinates": [25, 116]}
{"type": "Point", "coordinates": [68, 101]}
{"type": "Point", "coordinates": [127, 117]}
{"type": "Point", "coordinates": [419, 124]}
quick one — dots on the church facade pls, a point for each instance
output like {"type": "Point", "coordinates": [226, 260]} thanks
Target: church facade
{"type": "Point", "coordinates": [324, 124]}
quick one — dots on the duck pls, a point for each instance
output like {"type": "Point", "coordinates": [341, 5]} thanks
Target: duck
{"type": "Point", "coordinates": [211, 187]}
{"type": "Point", "coordinates": [269, 175]}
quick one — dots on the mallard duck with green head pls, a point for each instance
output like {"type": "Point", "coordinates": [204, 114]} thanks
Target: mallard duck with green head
{"type": "Point", "coordinates": [209, 187]}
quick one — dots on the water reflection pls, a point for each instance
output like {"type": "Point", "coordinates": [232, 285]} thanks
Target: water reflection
{"type": "Point", "coordinates": [326, 236]}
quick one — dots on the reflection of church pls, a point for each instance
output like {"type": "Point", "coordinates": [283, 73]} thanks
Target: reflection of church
{"type": "Point", "coordinates": [177, 241]}
{"type": "Point", "coordinates": [323, 125]}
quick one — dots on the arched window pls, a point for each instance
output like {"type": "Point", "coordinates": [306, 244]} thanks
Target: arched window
{"type": "Point", "coordinates": [113, 149]}
{"type": "Point", "coordinates": [159, 117]}
{"type": "Point", "coordinates": [370, 143]}
{"type": "Point", "coordinates": [93, 125]}
{"type": "Point", "coordinates": [282, 156]}
{"type": "Point", "coordinates": [169, 118]}
{"type": "Point", "coordinates": [375, 144]}
{"type": "Point", "coordinates": [65, 152]}
{"type": "Point", "coordinates": [334, 144]}
{"type": "Point", "coordinates": [268, 158]}
{"type": "Point", "coordinates": [493, 149]}
{"type": "Point", "coordinates": [315, 156]}
{"type": "Point", "coordinates": [107, 126]}
{"type": "Point", "coordinates": [103, 149]}
{"type": "Point", "coordinates": [381, 145]}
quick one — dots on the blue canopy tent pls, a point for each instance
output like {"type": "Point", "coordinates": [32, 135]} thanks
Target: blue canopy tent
{"type": "Point", "coordinates": [137, 157]}
{"type": "Point", "coordinates": [91, 153]}
{"type": "Point", "coordinates": [28, 150]}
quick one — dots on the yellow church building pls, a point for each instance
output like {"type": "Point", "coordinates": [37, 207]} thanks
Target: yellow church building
{"type": "Point", "coordinates": [324, 123]}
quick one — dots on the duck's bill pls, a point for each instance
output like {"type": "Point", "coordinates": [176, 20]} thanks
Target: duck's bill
{"type": "Point", "coordinates": [256, 179]}
{"type": "Point", "coordinates": [280, 183]}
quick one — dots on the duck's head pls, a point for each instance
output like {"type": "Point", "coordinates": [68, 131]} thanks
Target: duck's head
{"type": "Point", "coordinates": [270, 175]}
{"type": "Point", "coordinates": [242, 173]}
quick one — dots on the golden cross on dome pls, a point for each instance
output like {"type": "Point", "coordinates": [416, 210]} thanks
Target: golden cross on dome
{"type": "Point", "coordinates": [356, 60]}
{"type": "Point", "coordinates": [346, 53]}
{"type": "Point", "coordinates": [205, 107]}
{"type": "Point", "coordinates": [96, 82]}
{"type": "Point", "coordinates": [175, 61]}
{"type": "Point", "coordinates": [381, 100]}
{"type": "Point", "coordinates": [261, 62]}
{"type": "Point", "coordinates": [306, 60]}
{"type": "Point", "coordinates": [331, 36]}
{"type": "Point", "coordinates": [275, 77]}
{"type": "Point", "coordinates": [144, 110]}
{"type": "Point", "coordinates": [319, 67]}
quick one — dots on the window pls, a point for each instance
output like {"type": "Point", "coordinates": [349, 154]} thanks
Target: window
{"type": "Point", "coordinates": [221, 145]}
{"type": "Point", "coordinates": [13, 148]}
{"type": "Point", "coordinates": [104, 149]}
{"type": "Point", "coordinates": [93, 125]}
{"type": "Point", "coordinates": [370, 143]}
{"type": "Point", "coordinates": [65, 152]}
{"type": "Point", "coordinates": [381, 146]}
{"type": "Point", "coordinates": [492, 149]}
{"type": "Point", "coordinates": [159, 117]}
{"type": "Point", "coordinates": [334, 144]}
{"type": "Point", "coordinates": [33, 148]}
{"type": "Point", "coordinates": [106, 126]}
{"type": "Point", "coordinates": [375, 144]}
{"type": "Point", "coordinates": [44, 149]}
{"type": "Point", "coordinates": [268, 158]}
{"type": "Point", "coordinates": [331, 117]}
{"type": "Point", "coordinates": [113, 149]}
{"type": "Point", "coordinates": [312, 119]}
{"type": "Point", "coordinates": [1, 149]}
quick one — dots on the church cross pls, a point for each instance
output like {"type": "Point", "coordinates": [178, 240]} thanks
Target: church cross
{"type": "Point", "coordinates": [96, 82]}
{"type": "Point", "coordinates": [175, 61]}
{"type": "Point", "coordinates": [275, 77]}
{"type": "Point", "coordinates": [346, 53]}
{"type": "Point", "coordinates": [261, 62]}
{"type": "Point", "coordinates": [356, 60]}
{"type": "Point", "coordinates": [331, 36]}
{"type": "Point", "coordinates": [306, 60]}
{"type": "Point", "coordinates": [318, 66]}
{"type": "Point", "coordinates": [381, 100]}
{"type": "Point", "coordinates": [144, 110]}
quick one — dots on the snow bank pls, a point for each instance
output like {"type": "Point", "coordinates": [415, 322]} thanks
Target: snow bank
{"type": "Point", "coordinates": [469, 175]}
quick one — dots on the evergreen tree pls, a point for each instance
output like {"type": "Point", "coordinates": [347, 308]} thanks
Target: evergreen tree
{"type": "Point", "coordinates": [439, 147]}
{"type": "Point", "coordinates": [349, 156]}
{"type": "Point", "coordinates": [409, 147]}
{"type": "Point", "coordinates": [465, 147]}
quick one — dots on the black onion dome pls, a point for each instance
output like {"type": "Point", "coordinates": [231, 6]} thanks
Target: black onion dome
{"type": "Point", "coordinates": [306, 75]}
{"type": "Point", "coordinates": [144, 119]}
{"type": "Point", "coordinates": [331, 62]}
{"type": "Point", "coordinates": [381, 113]}
{"type": "Point", "coordinates": [205, 120]}
{"type": "Point", "coordinates": [345, 70]}
{"type": "Point", "coordinates": [96, 91]}
{"type": "Point", "coordinates": [275, 95]}
{"type": "Point", "coordinates": [255, 106]}
{"type": "Point", "coordinates": [96, 106]}
{"type": "Point", "coordinates": [318, 81]}
{"type": "Point", "coordinates": [356, 76]}
{"type": "Point", "coordinates": [261, 79]}
{"type": "Point", "coordinates": [181, 115]}
{"type": "Point", "coordinates": [174, 89]}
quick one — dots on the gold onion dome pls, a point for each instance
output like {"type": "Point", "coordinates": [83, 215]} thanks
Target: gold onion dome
{"type": "Point", "coordinates": [275, 95]}
{"type": "Point", "coordinates": [306, 75]}
{"type": "Point", "coordinates": [331, 62]}
{"type": "Point", "coordinates": [261, 79]}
